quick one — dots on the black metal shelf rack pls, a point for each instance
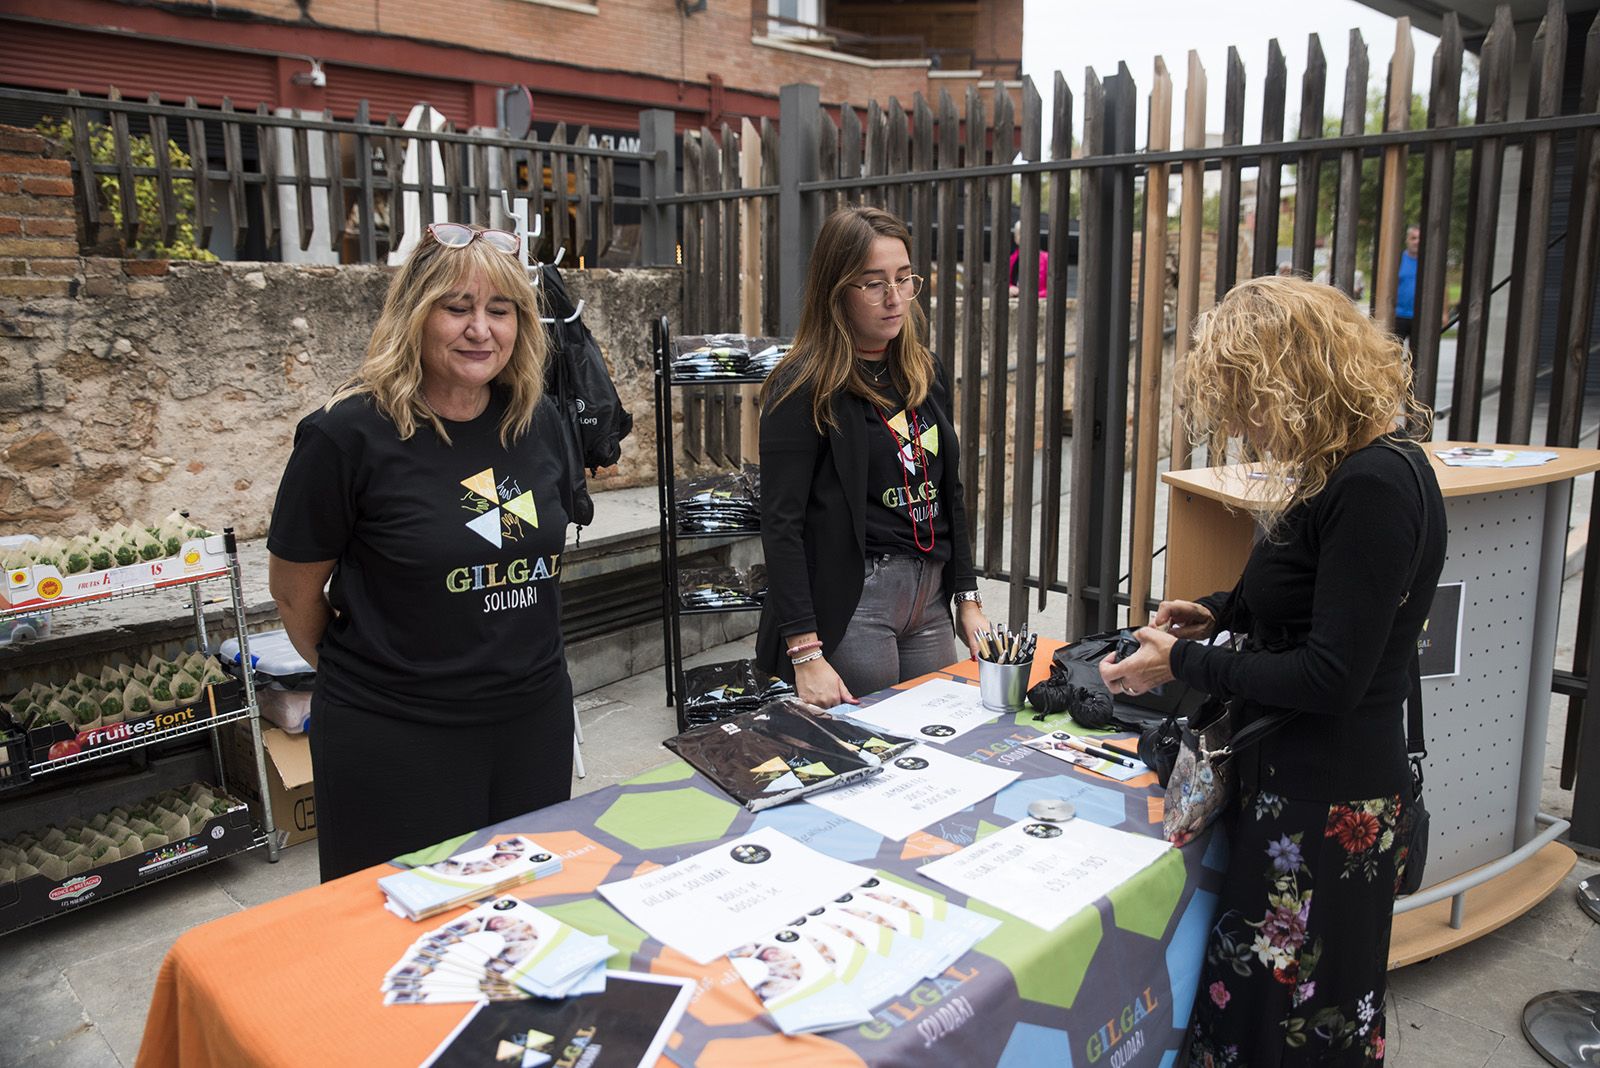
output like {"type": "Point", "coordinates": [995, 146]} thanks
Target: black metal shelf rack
{"type": "Point", "coordinates": [672, 608]}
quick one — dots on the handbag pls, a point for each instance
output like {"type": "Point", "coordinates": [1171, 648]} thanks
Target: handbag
{"type": "Point", "coordinates": [1203, 780]}
{"type": "Point", "coordinates": [1411, 832]}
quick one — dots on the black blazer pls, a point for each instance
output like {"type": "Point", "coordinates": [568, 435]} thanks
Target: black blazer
{"type": "Point", "coordinates": [813, 521]}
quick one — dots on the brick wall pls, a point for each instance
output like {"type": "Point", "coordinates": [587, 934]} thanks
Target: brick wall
{"type": "Point", "coordinates": [38, 228]}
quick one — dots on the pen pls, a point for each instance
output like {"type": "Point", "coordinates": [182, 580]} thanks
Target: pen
{"type": "Point", "coordinates": [1097, 751]}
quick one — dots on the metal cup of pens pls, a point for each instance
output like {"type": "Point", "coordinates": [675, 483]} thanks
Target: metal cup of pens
{"type": "Point", "coordinates": [1005, 660]}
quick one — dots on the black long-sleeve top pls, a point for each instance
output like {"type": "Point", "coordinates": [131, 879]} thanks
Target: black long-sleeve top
{"type": "Point", "coordinates": [1327, 591]}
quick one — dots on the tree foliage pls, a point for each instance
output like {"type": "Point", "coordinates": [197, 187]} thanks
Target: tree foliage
{"type": "Point", "coordinates": [102, 146]}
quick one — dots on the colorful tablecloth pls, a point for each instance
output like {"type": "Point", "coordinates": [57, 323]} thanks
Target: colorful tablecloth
{"type": "Point", "coordinates": [295, 981]}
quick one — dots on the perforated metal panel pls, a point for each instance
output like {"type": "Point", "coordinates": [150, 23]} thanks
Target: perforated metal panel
{"type": "Point", "coordinates": [1477, 721]}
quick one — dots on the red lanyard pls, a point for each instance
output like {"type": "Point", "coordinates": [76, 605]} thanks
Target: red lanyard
{"type": "Point", "coordinates": [922, 462]}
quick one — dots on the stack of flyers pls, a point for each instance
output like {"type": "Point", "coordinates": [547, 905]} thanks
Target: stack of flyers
{"type": "Point", "coordinates": [832, 966]}
{"type": "Point", "coordinates": [503, 950]}
{"type": "Point", "coordinates": [470, 876]}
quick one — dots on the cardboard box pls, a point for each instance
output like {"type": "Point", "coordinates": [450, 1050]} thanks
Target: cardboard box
{"type": "Point", "coordinates": [45, 587]}
{"type": "Point", "coordinates": [289, 780]}
{"type": "Point", "coordinates": [217, 699]}
{"type": "Point", "coordinates": [39, 898]}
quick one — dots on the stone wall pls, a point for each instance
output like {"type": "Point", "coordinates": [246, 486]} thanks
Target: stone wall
{"type": "Point", "coordinates": [137, 387]}
{"type": "Point", "coordinates": [129, 388]}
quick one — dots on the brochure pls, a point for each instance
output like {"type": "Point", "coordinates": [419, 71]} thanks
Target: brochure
{"type": "Point", "coordinates": [430, 889]}
{"type": "Point", "coordinates": [917, 788]}
{"type": "Point", "coordinates": [1473, 456]}
{"type": "Point", "coordinates": [734, 893]}
{"type": "Point", "coordinates": [1055, 744]}
{"type": "Point", "coordinates": [502, 950]}
{"type": "Point", "coordinates": [627, 1026]}
{"type": "Point", "coordinates": [1044, 872]}
{"type": "Point", "coordinates": [773, 755]}
{"type": "Point", "coordinates": [935, 711]}
{"type": "Point", "coordinates": [878, 940]}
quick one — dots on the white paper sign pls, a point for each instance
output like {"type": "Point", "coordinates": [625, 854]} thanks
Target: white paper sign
{"type": "Point", "coordinates": [733, 893]}
{"type": "Point", "coordinates": [1044, 872]}
{"type": "Point", "coordinates": [935, 711]}
{"type": "Point", "coordinates": [919, 787]}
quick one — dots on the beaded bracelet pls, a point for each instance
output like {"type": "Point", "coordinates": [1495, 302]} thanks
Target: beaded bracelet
{"type": "Point", "coordinates": [807, 658]}
{"type": "Point", "coordinates": [798, 649]}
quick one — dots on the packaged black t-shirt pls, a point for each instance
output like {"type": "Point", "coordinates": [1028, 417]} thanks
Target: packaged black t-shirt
{"type": "Point", "coordinates": [904, 470]}
{"type": "Point", "coordinates": [445, 585]}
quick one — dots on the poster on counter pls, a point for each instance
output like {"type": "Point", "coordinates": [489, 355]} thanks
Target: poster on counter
{"type": "Point", "coordinates": [733, 893]}
{"type": "Point", "coordinates": [1439, 644]}
{"type": "Point", "coordinates": [1044, 872]}
{"type": "Point", "coordinates": [935, 711]}
{"type": "Point", "coordinates": [919, 787]}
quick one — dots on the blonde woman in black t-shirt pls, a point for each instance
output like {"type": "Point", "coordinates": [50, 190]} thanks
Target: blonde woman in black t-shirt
{"type": "Point", "coordinates": [862, 520]}
{"type": "Point", "coordinates": [430, 497]}
{"type": "Point", "coordinates": [1332, 599]}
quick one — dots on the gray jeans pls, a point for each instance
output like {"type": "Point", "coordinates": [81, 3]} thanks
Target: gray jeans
{"type": "Point", "coordinates": [901, 628]}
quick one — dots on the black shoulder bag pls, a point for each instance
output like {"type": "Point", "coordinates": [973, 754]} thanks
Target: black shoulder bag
{"type": "Point", "coordinates": [1411, 834]}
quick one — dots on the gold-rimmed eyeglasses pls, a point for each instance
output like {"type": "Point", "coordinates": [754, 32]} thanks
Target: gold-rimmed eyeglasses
{"type": "Point", "coordinates": [877, 291]}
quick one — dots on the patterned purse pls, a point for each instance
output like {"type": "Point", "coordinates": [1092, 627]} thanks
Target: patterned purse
{"type": "Point", "coordinates": [1203, 779]}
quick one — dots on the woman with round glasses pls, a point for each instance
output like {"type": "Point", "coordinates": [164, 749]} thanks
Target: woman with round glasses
{"type": "Point", "coordinates": [861, 503]}
{"type": "Point", "coordinates": [433, 489]}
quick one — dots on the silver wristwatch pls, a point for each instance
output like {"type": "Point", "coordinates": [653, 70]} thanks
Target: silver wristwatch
{"type": "Point", "coordinates": [968, 595]}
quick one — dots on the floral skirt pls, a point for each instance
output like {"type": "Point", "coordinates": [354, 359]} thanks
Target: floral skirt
{"type": "Point", "coordinates": [1295, 964]}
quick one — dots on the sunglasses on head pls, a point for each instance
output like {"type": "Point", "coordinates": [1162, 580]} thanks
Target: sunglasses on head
{"type": "Point", "coordinates": [460, 235]}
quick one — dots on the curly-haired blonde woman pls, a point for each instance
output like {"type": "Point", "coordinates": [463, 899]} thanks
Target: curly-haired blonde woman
{"type": "Point", "coordinates": [434, 490]}
{"type": "Point", "coordinates": [1333, 598]}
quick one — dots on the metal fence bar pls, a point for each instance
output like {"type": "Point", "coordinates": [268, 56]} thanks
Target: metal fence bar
{"type": "Point", "coordinates": [1228, 207]}
{"type": "Point", "coordinates": [1021, 512]}
{"type": "Point", "coordinates": [1438, 183]}
{"type": "Point", "coordinates": [999, 317]}
{"type": "Point", "coordinates": [1121, 108]}
{"type": "Point", "coordinates": [1495, 59]}
{"type": "Point", "coordinates": [1191, 218]}
{"type": "Point", "coordinates": [1055, 341]}
{"type": "Point", "coordinates": [1088, 420]}
{"type": "Point", "coordinates": [970, 401]}
{"type": "Point", "coordinates": [1269, 173]}
{"type": "Point", "coordinates": [922, 197]}
{"type": "Point", "coordinates": [1308, 165]}
{"type": "Point", "coordinates": [949, 159]}
{"type": "Point", "coordinates": [1392, 198]}
{"type": "Point", "coordinates": [1534, 186]}
{"type": "Point", "coordinates": [1152, 342]}
{"type": "Point", "coordinates": [1348, 201]}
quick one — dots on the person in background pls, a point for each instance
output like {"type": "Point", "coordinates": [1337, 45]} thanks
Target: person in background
{"type": "Point", "coordinates": [1332, 598]}
{"type": "Point", "coordinates": [862, 520]}
{"type": "Point", "coordinates": [433, 490]}
{"type": "Point", "coordinates": [1405, 294]}
{"type": "Point", "coordinates": [1016, 254]}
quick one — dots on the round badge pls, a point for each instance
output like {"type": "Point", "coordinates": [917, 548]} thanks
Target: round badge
{"type": "Point", "coordinates": [217, 832]}
{"type": "Point", "coordinates": [50, 588]}
{"type": "Point", "coordinates": [1041, 830]}
{"type": "Point", "coordinates": [869, 884]}
{"type": "Point", "coordinates": [938, 730]}
{"type": "Point", "coordinates": [843, 898]}
{"type": "Point", "coordinates": [787, 936]}
{"type": "Point", "coordinates": [1052, 809]}
{"type": "Point", "coordinates": [541, 857]}
{"type": "Point", "coordinates": [750, 854]}
{"type": "Point", "coordinates": [505, 903]}
{"type": "Point", "coordinates": [911, 763]}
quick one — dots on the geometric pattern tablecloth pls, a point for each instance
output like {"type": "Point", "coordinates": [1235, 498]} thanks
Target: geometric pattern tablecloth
{"type": "Point", "coordinates": [296, 981]}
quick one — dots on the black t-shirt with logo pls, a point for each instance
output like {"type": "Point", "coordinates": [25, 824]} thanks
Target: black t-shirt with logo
{"type": "Point", "coordinates": [904, 470]}
{"type": "Point", "coordinates": [445, 585]}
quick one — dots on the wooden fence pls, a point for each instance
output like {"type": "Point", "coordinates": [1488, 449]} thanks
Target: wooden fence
{"type": "Point", "coordinates": [355, 170]}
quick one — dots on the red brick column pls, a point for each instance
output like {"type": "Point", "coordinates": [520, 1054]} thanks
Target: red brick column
{"type": "Point", "coordinates": [38, 224]}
